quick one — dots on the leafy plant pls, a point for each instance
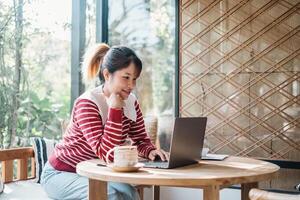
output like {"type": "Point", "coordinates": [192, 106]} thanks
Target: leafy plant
{"type": "Point", "coordinates": [34, 76]}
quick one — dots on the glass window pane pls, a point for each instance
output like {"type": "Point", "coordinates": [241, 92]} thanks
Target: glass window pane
{"type": "Point", "coordinates": [90, 32]}
{"type": "Point", "coordinates": [41, 85]}
{"type": "Point", "coordinates": [148, 27]}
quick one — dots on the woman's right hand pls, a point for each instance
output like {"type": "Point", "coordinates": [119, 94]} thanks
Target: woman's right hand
{"type": "Point", "coordinates": [115, 101]}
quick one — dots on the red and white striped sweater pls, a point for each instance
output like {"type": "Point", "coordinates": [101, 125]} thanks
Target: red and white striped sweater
{"type": "Point", "coordinates": [87, 137]}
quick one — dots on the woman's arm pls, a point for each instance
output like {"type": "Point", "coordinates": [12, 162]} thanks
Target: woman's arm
{"type": "Point", "coordinates": [100, 138]}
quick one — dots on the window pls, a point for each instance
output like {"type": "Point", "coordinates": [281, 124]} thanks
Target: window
{"type": "Point", "coordinates": [34, 69]}
{"type": "Point", "coordinates": [148, 27]}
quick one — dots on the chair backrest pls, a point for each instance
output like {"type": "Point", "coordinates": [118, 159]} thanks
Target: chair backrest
{"type": "Point", "coordinates": [64, 124]}
{"type": "Point", "coordinates": [256, 194]}
{"type": "Point", "coordinates": [21, 154]}
{"type": "Point", "coordinates": [151, 128]}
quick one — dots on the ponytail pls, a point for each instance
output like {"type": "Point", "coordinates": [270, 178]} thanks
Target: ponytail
{"type": "Point", "coordinates": [92, 61]}
{"type": "Point", "coordinates": [113, 59]}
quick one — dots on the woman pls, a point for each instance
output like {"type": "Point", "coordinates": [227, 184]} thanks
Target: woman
{"type": "Point", "coordinates": [101, 119]}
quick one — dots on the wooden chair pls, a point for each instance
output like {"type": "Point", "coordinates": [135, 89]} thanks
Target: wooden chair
{"type": "Point", "coordinates": [257, 194]}
{"type": "Point", "coordinates": [21, 155]}
{"type": "Point", "coordinates": [24, 154]}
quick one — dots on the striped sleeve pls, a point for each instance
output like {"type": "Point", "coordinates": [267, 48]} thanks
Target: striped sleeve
{"type": "Point", "coordinates": [100, 138]}
{"type": "Point", "coordinates": [138, 135]}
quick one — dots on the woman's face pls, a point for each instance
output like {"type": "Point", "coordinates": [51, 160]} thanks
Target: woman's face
{"type": "Point", "coordinates": [122, 81]}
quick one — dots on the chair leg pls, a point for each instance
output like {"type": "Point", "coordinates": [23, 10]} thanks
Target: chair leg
{"type": "Point", "coordinates": [141, 192]}
{"type": "Point", "coordinates": [156, 191]}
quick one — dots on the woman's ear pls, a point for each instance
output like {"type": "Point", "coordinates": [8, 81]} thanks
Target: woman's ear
{"type": "Point", "coordinates": [106, 74]}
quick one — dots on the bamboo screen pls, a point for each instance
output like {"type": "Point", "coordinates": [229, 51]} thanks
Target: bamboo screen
{"type": "Point", "coordinates": [239, 66]}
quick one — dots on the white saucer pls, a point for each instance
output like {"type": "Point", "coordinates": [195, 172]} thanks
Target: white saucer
{"type": "Point", "coordinates": [126, 169]}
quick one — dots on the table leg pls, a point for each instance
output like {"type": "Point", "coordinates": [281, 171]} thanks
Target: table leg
{"type": "Point", "coordinates": [211, 192]}
{"type": "Point", "coordinates": [97, 190]}
{"type": "Point", "coordinates": [156, 191]}
{"type": "Point", "coordinates": [246, 187]}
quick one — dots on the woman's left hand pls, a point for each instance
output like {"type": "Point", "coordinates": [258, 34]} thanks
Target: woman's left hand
{"type": "Point", "coordinates": [159, 152]}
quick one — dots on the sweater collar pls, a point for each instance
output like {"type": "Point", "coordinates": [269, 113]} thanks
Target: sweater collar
{"type": "Point", "coordinates": [97, 96]}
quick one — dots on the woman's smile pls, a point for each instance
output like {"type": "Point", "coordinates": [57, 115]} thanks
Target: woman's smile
{"type": "Point", "coordinates": [126, 92]}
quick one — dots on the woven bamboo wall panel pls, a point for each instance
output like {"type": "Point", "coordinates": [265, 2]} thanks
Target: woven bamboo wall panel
{"type": "Point", "coordinates": [239, 65]}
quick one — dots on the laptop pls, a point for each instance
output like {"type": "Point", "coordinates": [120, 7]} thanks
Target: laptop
{"type": "Point", "coordinates": [186, 144]}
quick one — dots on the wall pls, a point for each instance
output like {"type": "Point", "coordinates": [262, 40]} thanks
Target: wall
{"type": "Point", "coordinates": [239, 63]}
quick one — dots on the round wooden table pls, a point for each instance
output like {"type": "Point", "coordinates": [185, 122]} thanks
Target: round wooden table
{"type": "Point", "coordinates": [209, 175]}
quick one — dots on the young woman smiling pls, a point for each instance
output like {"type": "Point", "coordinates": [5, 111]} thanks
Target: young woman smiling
{"type": "Point", "coordinates": [102, 118]}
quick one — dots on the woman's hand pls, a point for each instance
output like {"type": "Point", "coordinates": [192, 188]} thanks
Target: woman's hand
{"type": "Point", "coordinates": [159, 152]}
{"type": "Point", "coordinates": [115, 101]}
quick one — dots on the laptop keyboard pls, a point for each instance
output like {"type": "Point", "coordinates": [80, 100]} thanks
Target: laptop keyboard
{"type": "Point", "coordinates": [156, 164]}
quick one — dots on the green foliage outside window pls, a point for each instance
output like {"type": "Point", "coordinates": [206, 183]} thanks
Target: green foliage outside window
{"type": "Point", "coordinates": [34, 75]}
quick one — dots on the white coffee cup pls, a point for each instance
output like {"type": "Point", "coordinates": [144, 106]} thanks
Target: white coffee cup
{"type": "Point", "coordinates": [124, 156]}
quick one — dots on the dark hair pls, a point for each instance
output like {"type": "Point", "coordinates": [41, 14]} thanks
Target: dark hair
{"type": "Point", "coordinates": [113, 59]}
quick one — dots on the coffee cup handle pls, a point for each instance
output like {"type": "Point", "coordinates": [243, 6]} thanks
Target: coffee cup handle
{"type": "Point", "coordinates": [107, 155]}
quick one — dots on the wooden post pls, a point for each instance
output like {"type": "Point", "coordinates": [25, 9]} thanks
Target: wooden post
{"type": "Point", "coordinates": [97, 190]}
{"type": "Point", "coordinates": [33, 167]}
{"type": "Point", "coordinates": [22, 169]}
{"type": "Point", "coordinates": [211, 192]}
{"type": "Point", "coordinates": [246, 187]}
{"type": "Point", "coordinates": [156, 191]}
{"type": "Point", "coordinates": [7, 171]}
